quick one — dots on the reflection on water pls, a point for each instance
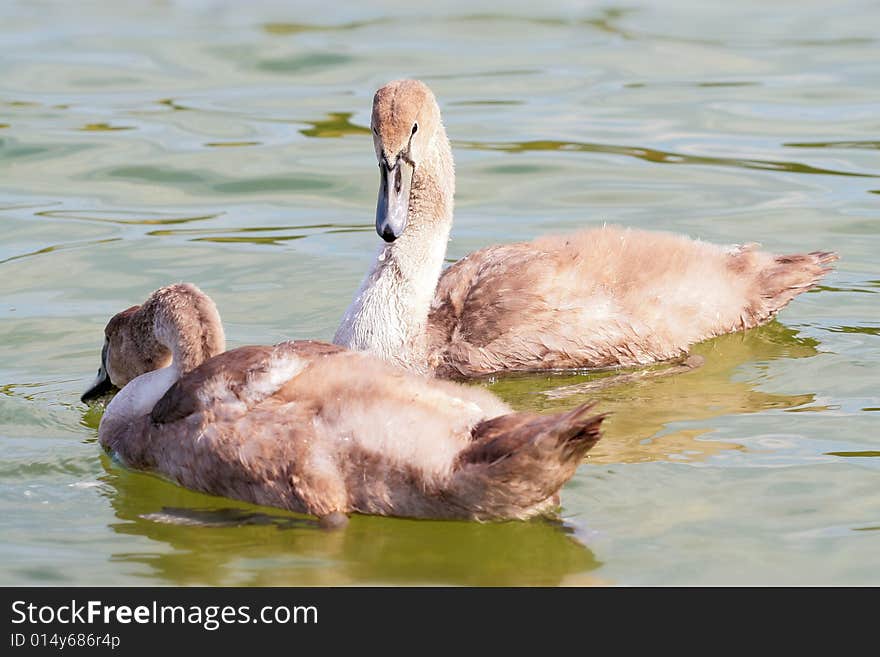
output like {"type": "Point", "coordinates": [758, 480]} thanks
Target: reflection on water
{"type": "Point", "coordinates": [864, 330]}
{"type": "Point", "coordinates": [231, 144]}
{"type": "Point", "coordinates": [105, 127]}
{"type": "Point", "coordinates": [246, 236]}
{"type": "Point", "coordinates": [641, 412]}
{"type": "Point", "coordinates": [286, 29]}
{"type": "Point", "coordinates": [125, 218]}
{"type": "Point", "coordinates": [337, 124]}
{"type": "Point", "coordinates": [705, 85]}
{"type": "Point", "coordinates": [212, 541]}
{"type": "Point", "coordinates": [173, 105]}
{"type": "Point", "coordinates": [658, 156]}
{"type": "Point", "coordinates": [869, 145]}
{"type": "Point", "coordinates": [303, 64]}
{"type": "Point", "coordinates": [206, 182]}
{"type": "Point", "coordinates": [57, 247]}
{"type": "Point", "coordinates": [832, 288]}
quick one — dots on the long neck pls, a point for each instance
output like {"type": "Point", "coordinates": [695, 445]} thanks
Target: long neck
{"type": "Point", "coordinates": [123, 426]}
{"type": "Point", "coordinates": [389, 313]}
{"type": "Point", "coordinates": [139, 396]}
{"type": "Point", "coordinates": [185, 320]}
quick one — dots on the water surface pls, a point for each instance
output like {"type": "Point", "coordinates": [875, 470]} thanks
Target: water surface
{"type": "Point", "coordinates": [227, 144]}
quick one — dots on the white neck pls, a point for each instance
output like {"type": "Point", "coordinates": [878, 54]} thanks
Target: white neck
{"type": "Point", "coordinates": [140, 395]}
{"type": "Point", "coordinates": [389, 313]}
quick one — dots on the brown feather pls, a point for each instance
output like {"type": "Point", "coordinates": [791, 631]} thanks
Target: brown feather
{"type": "Point", "coordinates": [314, 428]}
{"type": "Point", "coordinates": [603, 297]}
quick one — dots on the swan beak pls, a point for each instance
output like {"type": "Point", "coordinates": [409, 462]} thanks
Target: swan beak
{"type": "Point", "coordinates": [100, 387]}
{"type": "Point", "coordinates": [393, 205]}
{"type": "Point", "coordinates": [102, 384]}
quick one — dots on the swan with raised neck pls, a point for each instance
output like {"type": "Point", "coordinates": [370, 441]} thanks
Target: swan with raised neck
{"type": "Point", "coordinates": [389, 313]}
{"type": "Point", "coordinates": [599, 297]}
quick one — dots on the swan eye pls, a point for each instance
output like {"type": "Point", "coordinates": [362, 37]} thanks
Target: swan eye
{"type": "Point", "coordinates": [415, 128]}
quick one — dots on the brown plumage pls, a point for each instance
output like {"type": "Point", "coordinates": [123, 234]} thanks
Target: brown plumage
{"type": "Point", "coordinates": [135, 345]}
{"type": "Point", "coordinates": [603, 297]}
{"type": "Point", "coordinates": [314, 428]}
{"type": "Point", "coordinates": [599, 297]}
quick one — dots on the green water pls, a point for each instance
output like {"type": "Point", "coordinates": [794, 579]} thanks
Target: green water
{"type": "Point", "coordinates": [227, 144]}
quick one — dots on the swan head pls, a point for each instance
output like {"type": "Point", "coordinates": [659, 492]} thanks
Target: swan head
{"type": "Point", "coordinates": [177, 322]}
{"type": "Point", "coordinates": [128, 352]}
{"type": "Point", "coordinates": [405, 121]}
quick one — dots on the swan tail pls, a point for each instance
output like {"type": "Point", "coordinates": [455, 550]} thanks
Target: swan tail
{"type": "Point", "coordinates": [517, 463]}
{"type": "Point", "coordinates": [777, 279]}
{"type": "Point", "coordinates": [790, 275]}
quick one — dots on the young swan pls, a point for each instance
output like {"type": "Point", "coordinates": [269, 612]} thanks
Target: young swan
{"type": "Point", "coordinates": [313, 428]}
{"type": "Point", "coordinates": [600, 297]}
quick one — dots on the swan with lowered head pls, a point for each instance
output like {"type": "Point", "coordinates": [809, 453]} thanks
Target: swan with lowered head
{"type": "Point", "coordinates": [314, 428]}
{"type": "Point", "coordinates": [596, 298]}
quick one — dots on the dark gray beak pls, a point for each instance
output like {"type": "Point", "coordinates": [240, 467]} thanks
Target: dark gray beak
{"type": "Point", "coordinates": [393, 205]}
{"type": "Point", "coordinates": [102, 384]}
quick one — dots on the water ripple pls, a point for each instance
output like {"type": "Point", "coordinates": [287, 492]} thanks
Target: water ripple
{"type": "Point", "coordinates": [246, 235]}
{"type": "Point", "coordinates": [299, 64]}
{"type": "Point", "coordinates": [126, 218]}
{"type": "Point", "coordinates": [337, 124]}
{"type": "Point", "coordinates": [286, 29]}
{"type": "Point", "coordinates": [868, 145]}
{"type": "Point", "coordinates": [657, 156]}
{"type": "Point", "coordinates": [104, 127]}
{"type": "Point", "coordinates": [59, 247]}
{"type": "Point", "coordinates": [865, 330]}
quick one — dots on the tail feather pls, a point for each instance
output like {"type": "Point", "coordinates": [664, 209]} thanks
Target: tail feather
{"type": "Point", "coordinates": [778, 279]}
{"type": "Point", "coordinates": [518, 462]}
{"type": "Point", "coordinates": [790, 275]}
